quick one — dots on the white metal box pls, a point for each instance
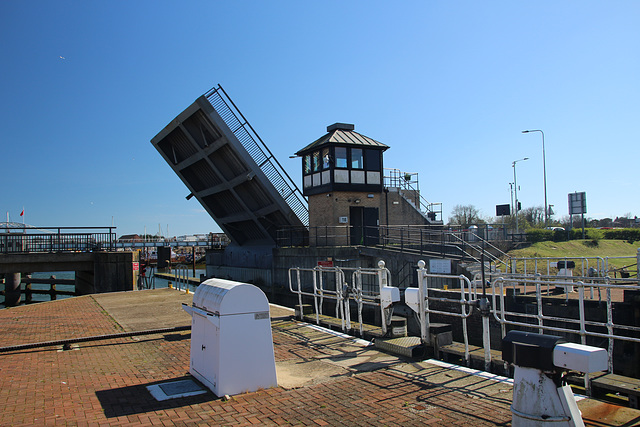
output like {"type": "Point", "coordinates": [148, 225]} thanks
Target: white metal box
{"type": "Point", "coordinates": [231, 341]}
{"type": "Point", "coordinates": [581, 358]}
{"type": "Point", "coordinates": [412, 299]}
{"type": "Point", "coordinates": [389, 295]}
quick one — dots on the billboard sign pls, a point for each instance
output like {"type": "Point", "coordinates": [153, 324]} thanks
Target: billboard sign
{"type": "Point", "coordinates": [577, 203]}
{"type": "Point", "coordinates": [503, 210]}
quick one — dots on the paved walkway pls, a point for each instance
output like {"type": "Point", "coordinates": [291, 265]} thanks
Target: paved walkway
{"type": "Point", "coordinates": [324, 379]}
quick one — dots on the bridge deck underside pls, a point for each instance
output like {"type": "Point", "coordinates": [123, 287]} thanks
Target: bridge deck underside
{"type": "Point", "coordinates": [204, 152]}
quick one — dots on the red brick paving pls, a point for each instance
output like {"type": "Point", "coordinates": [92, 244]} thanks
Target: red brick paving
{"type": "Point", "coordinates": [104, 382]}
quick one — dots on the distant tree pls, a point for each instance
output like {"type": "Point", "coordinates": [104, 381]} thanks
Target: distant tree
{"type": "Point", "coordinates": [534, 216]}
{"type": "Point", "coordinates": [577, 221]}
{"type": "Point", "coordinates": [623, 221]}
{"type": "Point", "coordinates": [465, 215]}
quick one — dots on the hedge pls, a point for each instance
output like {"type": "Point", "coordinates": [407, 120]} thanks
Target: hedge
{"type": "Point", "coordinates": [535, 235]}
{"type": "Point", "coordinates": [629, 234]}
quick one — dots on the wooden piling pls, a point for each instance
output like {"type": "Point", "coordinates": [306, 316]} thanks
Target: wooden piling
{"type": "Point", "coordinates": [12, 291]}
{"type": "Point", "coordinates": [28, 294]}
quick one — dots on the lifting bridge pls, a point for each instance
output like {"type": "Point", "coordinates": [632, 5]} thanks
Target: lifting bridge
{"type": "Point", "coordinates": [227, 167]}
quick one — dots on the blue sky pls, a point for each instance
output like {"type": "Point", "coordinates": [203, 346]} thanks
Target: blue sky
{"type": "Point", "coordinates": [448, 85]}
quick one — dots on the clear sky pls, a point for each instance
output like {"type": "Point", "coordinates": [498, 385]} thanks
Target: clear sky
{"type": "Point", "coordinates": [448, 85]}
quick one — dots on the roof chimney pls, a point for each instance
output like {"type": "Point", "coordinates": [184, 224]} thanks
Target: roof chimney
{"type": "Point", "coordinates": [340, 126]}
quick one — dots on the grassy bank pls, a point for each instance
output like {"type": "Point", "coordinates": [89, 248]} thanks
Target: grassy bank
{"type": "Point", "coordinates": [584, 248]}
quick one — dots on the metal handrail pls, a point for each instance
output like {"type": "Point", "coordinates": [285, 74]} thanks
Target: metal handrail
{"type": "Point", "coordinates": [259, 152]}
{"type": "Point", "coordinates": [181, 274]}
{"type": "Point", "coordinates": [342, 295]}
{"type": "Point", "coordinates": [466, 301]}
{"type": "Point", "coordinates": [493, 258]}
{"type": "Point", "coordinates": [405, 181]}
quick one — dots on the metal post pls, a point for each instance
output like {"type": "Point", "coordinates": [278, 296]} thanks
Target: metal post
{"type": "Point", "coordinates": [315, 296]}
{"type": "Point", "coordinates": [382, 281]}
{"type": "Point", "coordinates": [544, 173]}
{"type": "Point", "coordinates": [515, 185]}
{"type": "Point", "coordinates": [299, 294]}
{"type": "Point", "coordinates": [194, 260]}
{"type": "Point", "coordinates": [423, 303]}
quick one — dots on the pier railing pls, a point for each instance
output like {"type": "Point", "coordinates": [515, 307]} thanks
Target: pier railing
{"type": "Point", "coordinates": [56, 239]}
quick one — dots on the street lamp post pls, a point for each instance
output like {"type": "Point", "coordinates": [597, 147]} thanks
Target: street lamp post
{"type": "Point", "coordinates": [544, 172]}
{"type": "Point", "coordinates": [515, 185]}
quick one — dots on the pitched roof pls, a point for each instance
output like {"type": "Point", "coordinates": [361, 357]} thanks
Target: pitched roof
{"type": "Point", "coordinates": [342, 133]}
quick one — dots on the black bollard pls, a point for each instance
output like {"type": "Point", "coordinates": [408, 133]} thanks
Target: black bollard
{"type": "Point", "coordinates": [12, 291]}
{"type": "Point", "coordinates": [52, 290]}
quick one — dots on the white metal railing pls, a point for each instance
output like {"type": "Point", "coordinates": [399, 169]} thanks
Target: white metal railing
{"type": "Point", "coordinates": [584, 290]}
{"type": "Point", "coordinates": [586, 266]}
{"type": "Point", "coordinates": [330, 283]}
{"type": "Point", "coordinates": [583, 326]}
{"type": "Point", "coordinates": [418, 300]}
{"type": "Point", "coordinates": [492, 301]}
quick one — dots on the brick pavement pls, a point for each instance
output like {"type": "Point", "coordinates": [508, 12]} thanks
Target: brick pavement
{"type": "Point", "coordinates": [104, 382]}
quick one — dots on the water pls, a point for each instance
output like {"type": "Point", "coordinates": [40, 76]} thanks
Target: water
{"type": "Point", "coordinates": [45, 287]}
{"type": "Point", "coordinates": [159, 283]}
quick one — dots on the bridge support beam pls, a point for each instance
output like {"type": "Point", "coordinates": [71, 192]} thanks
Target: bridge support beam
{"type": "Point", "coordinates": [12, 289]}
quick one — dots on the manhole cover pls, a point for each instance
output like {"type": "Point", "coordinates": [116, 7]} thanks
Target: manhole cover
{"type": "Point", "coordinates": [175, 389]}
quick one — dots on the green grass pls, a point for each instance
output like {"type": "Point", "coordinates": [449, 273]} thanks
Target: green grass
{"type": "Point", "coordinates": [583, 248]}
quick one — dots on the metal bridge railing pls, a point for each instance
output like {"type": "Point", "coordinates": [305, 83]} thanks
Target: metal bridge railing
{"type": "Point", "coordinates": [259, 152]}
{"type": "Point", "coordinates": [58, 239]}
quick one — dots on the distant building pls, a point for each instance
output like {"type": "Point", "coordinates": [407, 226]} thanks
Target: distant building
{"type": "Point", "coordinates": [130, 238]}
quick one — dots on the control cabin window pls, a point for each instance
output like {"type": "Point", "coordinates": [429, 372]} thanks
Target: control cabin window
{"type": "Point", "coordinates": [307, 164]}
{"type": "Point", "coordinates": [356, 158]}
{"type": "Point", "coordinates": [341, 157]}
{"type": "Point", "coordinates": [326, 160]}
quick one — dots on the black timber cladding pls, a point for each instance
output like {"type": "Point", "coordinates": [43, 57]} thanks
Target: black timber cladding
{"type": "Point", "coordinates": [249, 201]}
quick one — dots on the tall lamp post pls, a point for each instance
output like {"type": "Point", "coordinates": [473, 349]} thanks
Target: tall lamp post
{"type": "Point", "coordinates": [544, 172]}
{"type": "Point", "coordinates": [515, 185]}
